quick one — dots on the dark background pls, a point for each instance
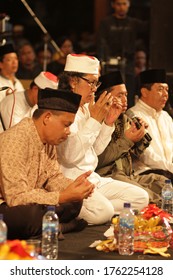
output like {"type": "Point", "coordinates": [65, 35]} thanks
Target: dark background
{"type": "Point", "coordinates": [71, 17]}
{"type": "Point", "coordinates": [61, 17]}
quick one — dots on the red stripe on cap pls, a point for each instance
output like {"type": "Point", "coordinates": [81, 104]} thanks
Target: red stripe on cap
{"type": "Point", "coordinates": [79, 55]}
{"type": "Point", "coordinates": [51, 76]}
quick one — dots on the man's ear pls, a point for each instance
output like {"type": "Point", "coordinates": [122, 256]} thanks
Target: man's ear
{"type": "Point", "coordinates": [144, 92]}
{"type": "Point", "coordinates": [47, 117]}
{"type": "Point", "coordinates": [73, 82]}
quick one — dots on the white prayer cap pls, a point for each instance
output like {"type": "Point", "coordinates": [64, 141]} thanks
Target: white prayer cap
{"type": "Point", "coordinates": [82, 63]}
{"type": "Point", "coordinates": [46, 80]}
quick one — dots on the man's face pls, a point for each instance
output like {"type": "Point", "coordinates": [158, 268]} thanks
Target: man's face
{"type": "Point", "coordinates": [57, 127]}
{"type": "Point", "coordinates": [121, 7]}
{"type": "Point", "coordinates": [26, 55]}
{"type": "Point", "coordinates": [156, 97]}
{"type": "Point", "coordinates": [120, 93]}
{"type": "Point", "coordinates": [9, 65]}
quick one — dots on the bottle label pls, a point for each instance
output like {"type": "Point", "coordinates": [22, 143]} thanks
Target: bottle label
{"type": "Point", "coordinates": [52, 227]}
{"type": "Point", "coordinates": [126, 223]}
{"type": "Point", "coordinates": [167, 195]}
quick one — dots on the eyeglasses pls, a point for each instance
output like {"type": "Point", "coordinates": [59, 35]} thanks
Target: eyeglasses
{"type": "Point", "coordinates": [92, 84]}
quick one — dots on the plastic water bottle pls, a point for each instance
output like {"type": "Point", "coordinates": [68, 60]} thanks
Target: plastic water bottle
{"type": "Point", "coordinates": [3, 230]}
{"type": "Point", "coordinates": [50, 228]}
{"type": "Point", "coordinates": [126, 231]}
{"type": "Point", "coordinates": [167, 197]}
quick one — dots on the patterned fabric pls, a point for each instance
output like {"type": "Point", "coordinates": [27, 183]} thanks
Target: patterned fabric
{"type": "Point", "coordinates": [120, 125]}
{"type": "Point", "coordinates": [29, 169]}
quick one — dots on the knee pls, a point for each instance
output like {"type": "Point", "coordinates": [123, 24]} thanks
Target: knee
{"type": "Point", "coordinates": [98, 215]}
{"type": "Point", "coordinates": [103, 216]}
{"type": "Point", "coordinates": [144, 200]}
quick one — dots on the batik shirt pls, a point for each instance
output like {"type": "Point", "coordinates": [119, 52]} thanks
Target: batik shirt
{"type": "Point", "coordinates": [29, 171]}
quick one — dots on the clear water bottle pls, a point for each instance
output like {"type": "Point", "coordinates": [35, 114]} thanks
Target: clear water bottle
{"type": "Point", "coordinates": [126, 231]}
{"type": "Point", "coordinates": [3, 230]}
{"type": "Point", "coordinates": [167, 197]}
{"type": "Point", "coordinates": [50, 228]}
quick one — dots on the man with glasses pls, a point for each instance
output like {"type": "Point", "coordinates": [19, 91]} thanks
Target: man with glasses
{"type": "Point", "coordinates": [90, 134]}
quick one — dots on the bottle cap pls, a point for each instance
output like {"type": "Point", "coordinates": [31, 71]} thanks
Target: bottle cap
{"type": "Point", "coordinates": [168, 181]}
{"type": "Point", "coordinates": [127, 205]}
{"type": "Point", "coordinates": [50, 208]}
{"type": "Point", "coordinates": [1, 216]}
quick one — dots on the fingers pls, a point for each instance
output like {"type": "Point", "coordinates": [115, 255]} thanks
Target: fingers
{"type": "Point", "coordinates": [83, 176]}
{"type": "Point", "coordinates": [105, 98]}
{"type": "Point", "coordinates": [90, 191]}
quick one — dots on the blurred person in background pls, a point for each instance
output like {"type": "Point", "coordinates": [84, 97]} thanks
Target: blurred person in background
{"type": "Point", "coordinates": [8, 68]}
{"type": "Point", "coordinates": [57, 65]}
{"type": "Point", "coordinates": [29, 67]}
{"type": "Point", "coordinates": [116, 42]}
{"type": "Point", "coordinates": [44, 55]}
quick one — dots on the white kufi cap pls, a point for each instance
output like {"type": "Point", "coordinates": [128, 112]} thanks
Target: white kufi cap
{"type": "Point", "coordinates": [82, 63]}
{"type": "Point", "coordinates": [46, 80]}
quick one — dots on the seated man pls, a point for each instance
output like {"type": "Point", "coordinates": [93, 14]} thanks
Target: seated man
{"type": "Point", "coordinates": [8, 68]}
{"type": "Point", "coordinates": [18, 105]}
{"type": "Point", "coordinates": [154, 95]}
{"type": "Point", "coordinates": [121, 158]}
{"type": "Point", "coordinates": [90, 134]}
{"type": "Point", "coordinates": [30, 176]}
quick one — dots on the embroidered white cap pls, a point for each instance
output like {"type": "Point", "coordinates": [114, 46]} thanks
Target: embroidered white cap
{"type": "Point", "coordinates": [46, 80]}
{"type": "Point", "coordinates": [82, 63]}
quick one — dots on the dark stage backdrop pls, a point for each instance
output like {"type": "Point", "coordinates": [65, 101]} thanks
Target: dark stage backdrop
{"type": "Point", "coordinates": [161, 35]}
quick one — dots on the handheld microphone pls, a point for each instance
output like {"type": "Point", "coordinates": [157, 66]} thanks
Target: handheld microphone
{"type": "Point", "coordinates": [136, 121]}
{"type": "Point", "coordinates": [3, 88]}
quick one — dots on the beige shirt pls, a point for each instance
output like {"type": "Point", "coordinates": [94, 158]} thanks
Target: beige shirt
{"type": "Point", "coordinates": [29, 171]}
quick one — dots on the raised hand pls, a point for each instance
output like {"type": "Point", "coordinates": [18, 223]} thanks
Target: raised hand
{"type": "Point", "coordinates": [100, 108]}
{"type": "Point", "coordinates": [114, 111]}
{"type": "Point", "coordinates": [78, 190]}
{"type": "Point", "coordinates": [134, 134]}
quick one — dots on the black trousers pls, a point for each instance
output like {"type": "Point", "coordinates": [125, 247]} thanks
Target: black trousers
{"type": "Point", "coordinates": [25, 221]}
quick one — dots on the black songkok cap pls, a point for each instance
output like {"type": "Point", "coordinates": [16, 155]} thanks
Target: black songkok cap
{"type": "Point", "coordinates": [8, 48]}
{"type": "Point", "coordinates": [152, 76]}
{"type": "Point", "coordinates": [59, 100]}
{"type": "Point", "coordinates": [110, 79]}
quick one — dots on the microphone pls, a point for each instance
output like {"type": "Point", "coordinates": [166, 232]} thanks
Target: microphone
{"type": "Point", "coordinates": [136, 121]}
{"type": "Point", "coordinates": [3, 88]}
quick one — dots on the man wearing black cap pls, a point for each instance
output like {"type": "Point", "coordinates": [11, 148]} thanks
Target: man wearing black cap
{"type": "Point", "coordinates": [30, 176]}
{"type": "Point", "coordinates": [127, 144]}
{"type": "Point", "coordinates": [8, 68]}
{"type": "Point", "coordinates": [153, 97]}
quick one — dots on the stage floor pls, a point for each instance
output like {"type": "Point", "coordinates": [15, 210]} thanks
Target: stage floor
{"type": "Point", "coordinates": [76, 247]}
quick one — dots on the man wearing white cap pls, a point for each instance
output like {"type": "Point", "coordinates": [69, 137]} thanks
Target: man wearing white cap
{"type": "Point", "coordinates": [90, 134]}
{"type": "Point", "coordinates": [18, 105]}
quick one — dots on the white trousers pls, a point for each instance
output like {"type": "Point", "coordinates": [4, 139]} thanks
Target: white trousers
{"type": "Point", "coordinates": [109, 199]}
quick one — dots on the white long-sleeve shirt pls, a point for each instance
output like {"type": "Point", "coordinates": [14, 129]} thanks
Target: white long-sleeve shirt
{"type": "Point", "coordinates": [88, 139]}
{"type": "Point", "coordinates": [14, 108]}
{"type": "Point", "coordinates": [4, 82]}
{"type": "Point", "coordinates": [159, 155]}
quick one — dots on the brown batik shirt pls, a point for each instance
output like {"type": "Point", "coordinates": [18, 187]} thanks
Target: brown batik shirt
{"type": "Point", "coordinates": [29, 170]}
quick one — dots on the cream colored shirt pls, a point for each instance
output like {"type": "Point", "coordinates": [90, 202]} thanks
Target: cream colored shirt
{"type": "Point", "coordinates": [29, 170]}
